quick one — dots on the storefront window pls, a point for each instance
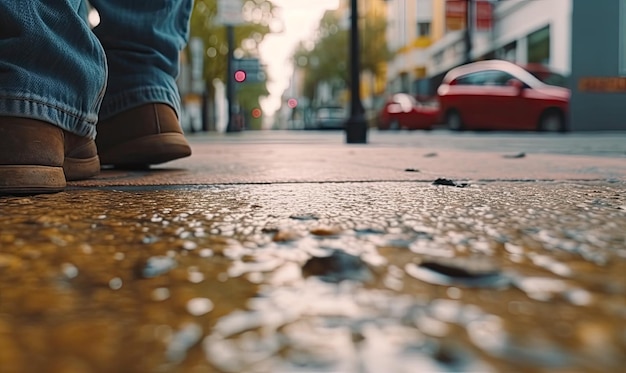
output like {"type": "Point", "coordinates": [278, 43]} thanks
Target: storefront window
{"type": "Point", "coordinates": [539, 46]}
{"type": "Point", "coordinates": [423, 29]}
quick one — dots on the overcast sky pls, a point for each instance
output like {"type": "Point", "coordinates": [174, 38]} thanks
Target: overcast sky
{"type": "Point", "coordinates": [300, 18]}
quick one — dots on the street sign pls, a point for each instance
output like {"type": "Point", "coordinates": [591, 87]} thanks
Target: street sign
{"type": "Point", "coordinates": [256, 76]}
{"type": "Point", "coordinates": [247, 64]}
{"type": "Point", "coordinates": [229, 12]}
{"type": "Point", "coordinates": [251, 67]}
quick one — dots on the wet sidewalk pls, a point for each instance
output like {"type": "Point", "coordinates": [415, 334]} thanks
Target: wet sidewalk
{"type": "Point", "coordinates": [300, 253]}
{"type": "Point", "coordinates": [305, 157]}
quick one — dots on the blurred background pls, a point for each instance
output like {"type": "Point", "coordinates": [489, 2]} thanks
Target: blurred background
{"type": "Point", "coordinates": [289, 64]}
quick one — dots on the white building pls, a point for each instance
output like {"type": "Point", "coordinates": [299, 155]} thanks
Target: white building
{"type": "Point", "coordinates": [522, 31]}
{"type": "Point", "coordinates": [534, 31]}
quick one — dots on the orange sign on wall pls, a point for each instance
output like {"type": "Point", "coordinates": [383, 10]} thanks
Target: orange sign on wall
{"type": "Point", "coordinates": [615, 84]}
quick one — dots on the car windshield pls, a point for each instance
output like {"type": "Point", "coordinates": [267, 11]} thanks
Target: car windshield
{"type": "Point", "coordinates": [549, 77]}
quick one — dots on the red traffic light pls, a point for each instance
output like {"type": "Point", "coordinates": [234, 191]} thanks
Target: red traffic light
{"type": "Point", "coordinates": [240, 76]}
{"type": "Point", "coordinates": [292, 103]}
{"type": "Point", "coordinates": [256, 113]}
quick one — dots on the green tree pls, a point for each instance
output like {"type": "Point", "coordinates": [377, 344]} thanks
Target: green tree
{"type": "Point", "coordinates": [328, 59]}
{"type": "Point", "coordinates": [260, 16]}
{"type": "Point", "coordinates": [374, 50]}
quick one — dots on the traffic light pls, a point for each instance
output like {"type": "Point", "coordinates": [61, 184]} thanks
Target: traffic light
{"type": "Point", "coordinates": [256, 113]}
{"type": "Point", "coordinates": [240, 76]}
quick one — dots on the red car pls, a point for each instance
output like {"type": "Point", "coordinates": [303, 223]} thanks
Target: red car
{"type": "Point", "coordinates": [501, 95]}
{"type": "Point", "coordinates": [403, 111]}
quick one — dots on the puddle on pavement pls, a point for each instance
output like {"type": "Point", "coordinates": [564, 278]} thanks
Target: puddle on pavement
{"type": "Point", "coordinates": [376, 277]}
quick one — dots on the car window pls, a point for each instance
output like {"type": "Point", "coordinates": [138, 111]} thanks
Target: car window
{"type": "Point", "coordinates": [549, 77]}
{"type": "Point", "coordinates": [485, 78]}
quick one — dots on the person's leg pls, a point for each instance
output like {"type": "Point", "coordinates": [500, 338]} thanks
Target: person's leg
{"type": "Point", "coordinates": [52, 79]}
{"type": "Point", "coordinates": [139, 115]}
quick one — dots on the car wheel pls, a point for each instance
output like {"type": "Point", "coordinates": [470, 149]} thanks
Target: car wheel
{"type": "Point", "coordinates": [394, 125]}
{"type": "Point", "coordinates": [552, 121]}
{"type": "Point", "coordinates": [453, 120]}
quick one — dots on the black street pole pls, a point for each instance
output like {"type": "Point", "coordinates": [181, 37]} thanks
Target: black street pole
{"type": "Point", "coordinates": [356, 126]}
{"type": "Point", "coordinates": [468, 31]}
{"type": "Point", "coordinates": [230, 87]}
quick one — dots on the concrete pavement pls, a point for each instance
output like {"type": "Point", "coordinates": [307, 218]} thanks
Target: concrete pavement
{"type": "Point", "coordinates": [294, 252]}
{"type": "Point", "coordinates": [285, 157]}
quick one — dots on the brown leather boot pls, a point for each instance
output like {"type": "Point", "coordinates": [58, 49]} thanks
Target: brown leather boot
{"type": "Point", "coordinates": [81, 157]}
{"type": "Point", "coordinates": [142, 136]}
{"type": "Point", "coordinates": [37, 157]}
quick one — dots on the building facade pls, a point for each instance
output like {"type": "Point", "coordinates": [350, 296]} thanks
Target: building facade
{"type": "Point", "coordinates": [520, 31]}
{"type": "Point", "coordinates": [409, 36]}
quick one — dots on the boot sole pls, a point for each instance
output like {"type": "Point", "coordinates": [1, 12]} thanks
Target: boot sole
{"type": "Point", "coordinates": [31, 179]}
{"type": "Point", "coordinates": [147, 150]}
{"type": "Point", "coordinates": [81, 168]}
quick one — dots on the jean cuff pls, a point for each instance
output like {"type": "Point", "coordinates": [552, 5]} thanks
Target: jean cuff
{"type": "Point", "coordinates": [31, 106]}
{"type": "Point", "coordinates": [118, 103]}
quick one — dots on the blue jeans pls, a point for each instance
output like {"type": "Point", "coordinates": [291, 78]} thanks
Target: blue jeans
{"type": "Point", "coordinates": [54, 68]}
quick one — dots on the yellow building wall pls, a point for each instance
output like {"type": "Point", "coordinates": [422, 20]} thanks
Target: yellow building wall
{"type": "Point", "coordinates": [376, 6]}
{"type": "Point", "coordinates": [438, 26]}
{"type": "Point", "coordinates": [437, 31]}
